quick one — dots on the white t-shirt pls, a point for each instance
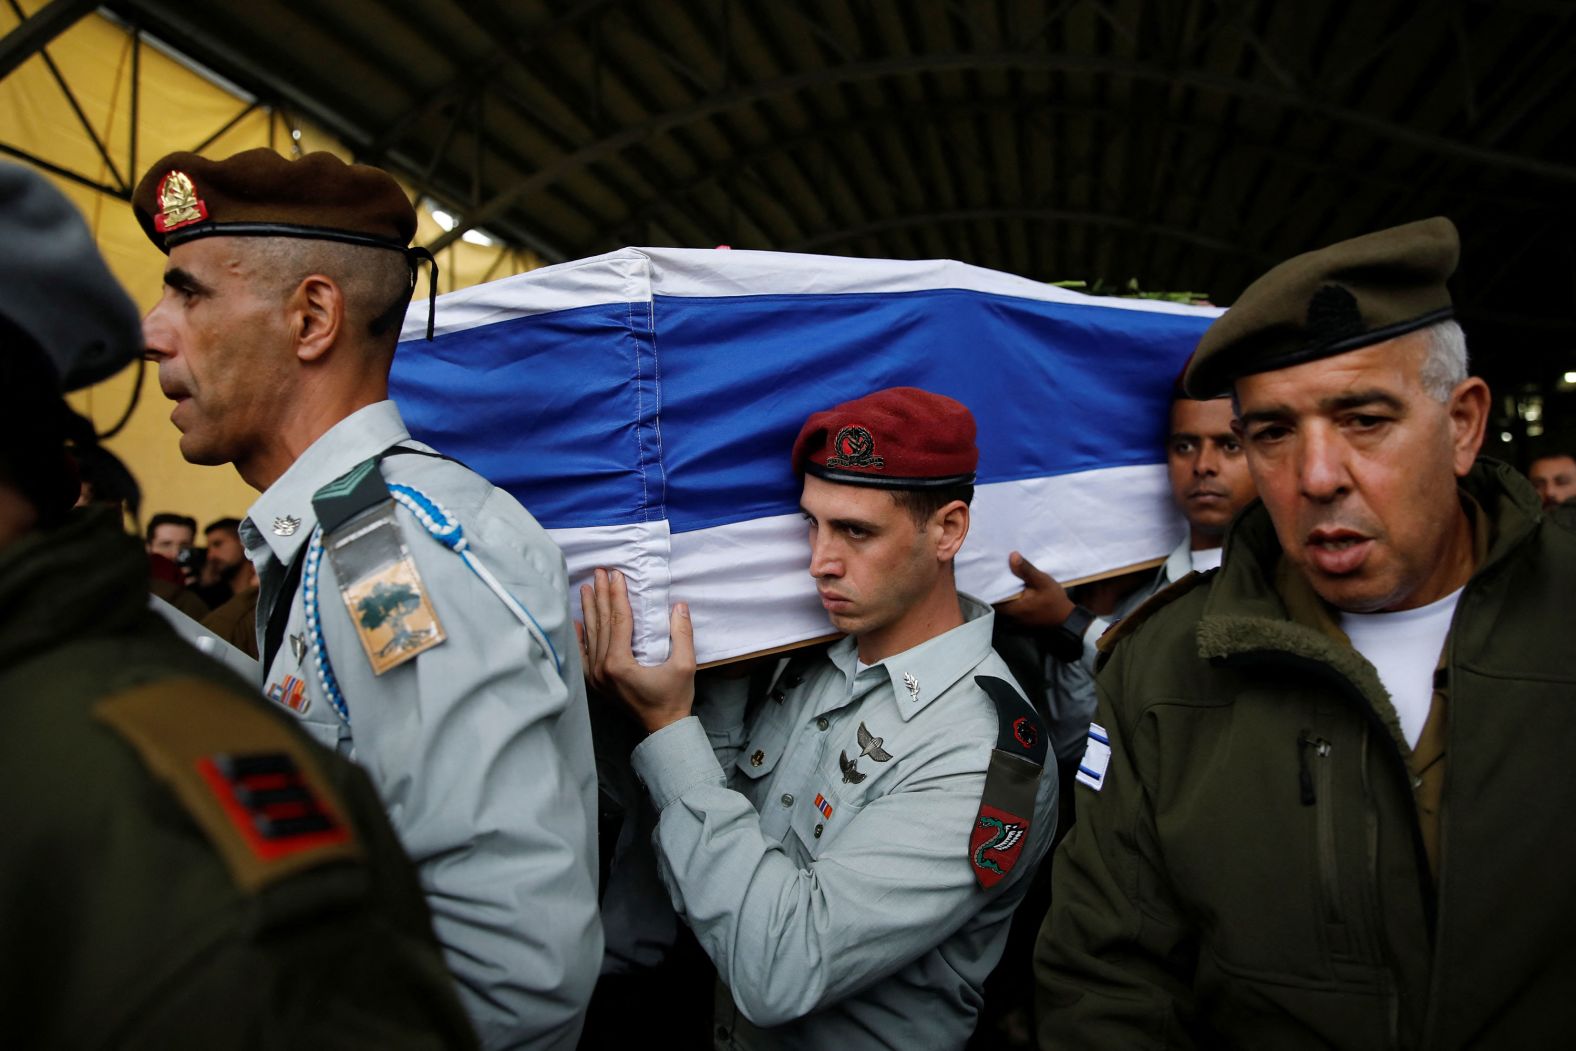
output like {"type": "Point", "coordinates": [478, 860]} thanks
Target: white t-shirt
{"type": "Point", "coordinates": [1404, 647]}
{"type": "Point", "coordinates": [1207, 559]}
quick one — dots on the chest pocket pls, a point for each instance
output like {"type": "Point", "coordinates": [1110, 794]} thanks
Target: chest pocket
{"type": "Point", "coordinates": [830, 806]}
{"type": "Point", "coordinates": [768, 738]}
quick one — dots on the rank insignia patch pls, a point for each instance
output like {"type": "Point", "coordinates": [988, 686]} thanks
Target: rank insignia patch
{"type": "Point", "coordinates": [179, 204]}
{"type": "Point", "coordinates": [823, 806]}
{"type": "Point", "coordinates": [298, 647]}
{"type": "Point", "coordinates": [995, 844]}
{"type": "Point", "coordinates": [913, 686]}
{"type": "Point", "coordinates": [291, 693]}
{"type": "Point", "coordinates": [286, 525]}
{"type": "Point", "coordinates": [758, 757]}
{"type": "Point", "coordinates": [855, 448]}
{"type": "Point", "coordinates": [269, 802]}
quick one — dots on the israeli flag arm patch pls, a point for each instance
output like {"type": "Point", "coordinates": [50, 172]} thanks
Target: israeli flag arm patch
{"type": "Point", "coordinates": [1096, 757]}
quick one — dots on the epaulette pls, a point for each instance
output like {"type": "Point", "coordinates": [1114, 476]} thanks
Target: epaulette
{"type": "Point", "coordinates": [248, 782]}
{"type": "Point", "coordinates": [1146, 609]}
{"type": "Point", "coordinates": [1001, 827]}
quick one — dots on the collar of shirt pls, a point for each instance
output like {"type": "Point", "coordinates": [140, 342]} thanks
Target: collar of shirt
{"type": "Point", "coordinates": [1180, 562]}
{"type": "Point", "coordinates": [359, 436]}
{"type": "Point", "coordinates": [932, 666]}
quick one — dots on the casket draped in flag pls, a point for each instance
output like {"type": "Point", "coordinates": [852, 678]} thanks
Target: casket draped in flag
{"type": "Point", "coordinates": [643, 404]}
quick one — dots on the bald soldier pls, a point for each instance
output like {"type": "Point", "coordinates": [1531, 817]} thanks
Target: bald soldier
{"type": "Point", "coordinates": [1326, 800]}
{"type": "Point", "coordinates": [183, 867]}
{"type": "Point", "coordinates": [411, 615]}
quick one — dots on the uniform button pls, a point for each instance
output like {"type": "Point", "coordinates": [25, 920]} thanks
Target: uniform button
{"type": "Point", "coordinates": [722, 1032]}
{"type": "Point", "coordinates": [822, 723]}
{"type": "Point", "coordinates": [777, 696]}
{"type": "Point", "coordinates": [787, 799]}
{"type": "Point", "coordinates": [818, 829]}
{"type": "Point", "coordinates": [793, 680]}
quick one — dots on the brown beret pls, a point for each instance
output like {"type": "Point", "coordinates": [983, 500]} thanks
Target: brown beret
{"type": "Point", "coordinates": [899, 438]}
{"type": "Point", "coordinates": [260, 193]}
{"type": "Point", "coordinates": [1337, 299]}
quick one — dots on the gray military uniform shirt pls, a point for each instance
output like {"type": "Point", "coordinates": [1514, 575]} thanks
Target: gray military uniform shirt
{"type": "Point", "coordinates": [479, 747]}
{"type": "Point", "coordinates": [831, 887]}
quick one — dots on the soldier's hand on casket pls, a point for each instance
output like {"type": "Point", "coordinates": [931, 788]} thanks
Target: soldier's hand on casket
{"type": "Point", "coordinates": [1044, 602]}
{"type": "Point", "coordinates": [656, 695]}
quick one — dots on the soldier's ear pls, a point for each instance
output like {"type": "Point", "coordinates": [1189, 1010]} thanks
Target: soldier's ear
{"type": "Point", "coordinates": [317, 313]}
{"type": "Point", "coordinates": [951, 525]}
{"type": "Point", "coordinates": [1469, 409]}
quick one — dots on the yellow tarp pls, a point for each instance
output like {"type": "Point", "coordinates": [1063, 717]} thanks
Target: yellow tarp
{"type": "Point", "coordinates": [178, 109]}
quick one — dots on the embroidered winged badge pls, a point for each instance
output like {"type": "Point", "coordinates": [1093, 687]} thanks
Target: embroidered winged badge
{"type": "Point", "coordinates": [870, 745]}
{"type": "Point", "coordinates": [1003, 839]}
{"type": "Point", "coordinates": [850, 768]}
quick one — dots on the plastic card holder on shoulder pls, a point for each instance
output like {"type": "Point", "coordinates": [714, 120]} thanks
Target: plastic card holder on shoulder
{"type": "Point", "coordinates": [382, 589]}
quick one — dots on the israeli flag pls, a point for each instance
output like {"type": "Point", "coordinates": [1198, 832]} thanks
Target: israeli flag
{"type": "Point", "coordinates": [643, 404]}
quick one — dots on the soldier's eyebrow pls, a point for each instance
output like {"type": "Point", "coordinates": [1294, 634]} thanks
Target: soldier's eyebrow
{"type": "Point", "coordinates": [1360, 398]}
{"type": "Point", "coordinates": [852, 523]}
{"type": "Point", "coordinates": [1265, 415]}
{"type": "Point", "coordinates": [841, 523]}
{"type": "Point", "coordinates": [182, 281]}
{"type": "Point", "coordinates": [1346, 402]}
{"type": "Point", "coordinates": [1181, 435]}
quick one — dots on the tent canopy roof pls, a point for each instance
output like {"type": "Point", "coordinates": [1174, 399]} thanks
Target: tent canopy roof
{"type": "Point", "coordinates": [1181, 145]}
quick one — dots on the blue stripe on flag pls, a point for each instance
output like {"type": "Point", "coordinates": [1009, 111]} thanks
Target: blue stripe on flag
{"type": "Point", "coordinates": [557, 408]}
{"type": "Point", "coordinates": [1055, 388]}
{"type": "Point", "coordinates": [561, 408]}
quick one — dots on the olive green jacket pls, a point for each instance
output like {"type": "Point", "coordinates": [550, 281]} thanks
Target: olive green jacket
{"type": "Point", "coordinates": [1250, 872]}
{"type": "Point", "coordinates": [136, 910]}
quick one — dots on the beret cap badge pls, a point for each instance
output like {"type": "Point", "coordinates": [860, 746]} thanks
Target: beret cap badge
{"type": "Point", "coordinates": [179, 204]}
{"type": "Point", "coordinates": [855, 448]}
{"type": "Point", "coordinates": [1333, 315]}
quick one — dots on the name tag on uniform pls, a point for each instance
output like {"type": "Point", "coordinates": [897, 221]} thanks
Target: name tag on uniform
{"type": "Point", "coordinates": [382, 590]}
{"type": "Point", "coordinates": [1096, 757]}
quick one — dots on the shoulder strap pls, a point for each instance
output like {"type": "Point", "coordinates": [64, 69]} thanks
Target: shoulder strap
{"type": "Point", "coordinates": [350, 494]}
{"type": "Point", "coordinates": [1006, 811]}
{"type": "Point", "coordinates": [1146, 609]}
{"type": "Point", "coordinates": [405, 450]}
{"type": "Point", "coordinates": [249, 782]}
{"type": "Point", "coordinates": [1018, 725]}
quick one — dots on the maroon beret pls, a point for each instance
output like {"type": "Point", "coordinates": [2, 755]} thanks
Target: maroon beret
{"type": "Point", "coordinates": [260, 193]}
{"type": "Point", "coordinates": [899, 438]}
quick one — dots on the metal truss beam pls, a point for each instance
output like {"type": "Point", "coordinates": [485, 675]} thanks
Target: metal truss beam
{"type": "Point", "coordinates": [35, 31]}
{"type": "Point", "coordinates": [740, 96]}
{"type": "Point", "coordinates": [1038, 215]}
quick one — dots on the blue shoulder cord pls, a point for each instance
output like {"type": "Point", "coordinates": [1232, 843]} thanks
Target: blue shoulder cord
{"type": "Point", "coordinates": [445, 530]}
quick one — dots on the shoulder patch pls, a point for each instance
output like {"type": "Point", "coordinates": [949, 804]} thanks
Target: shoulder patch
{"type": "Point", "coordinates": [1146, 609]}
{"type": "Point", "coordinates": [1006, 812]}
{"type": "Point", "coordinates": [249, 782]}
